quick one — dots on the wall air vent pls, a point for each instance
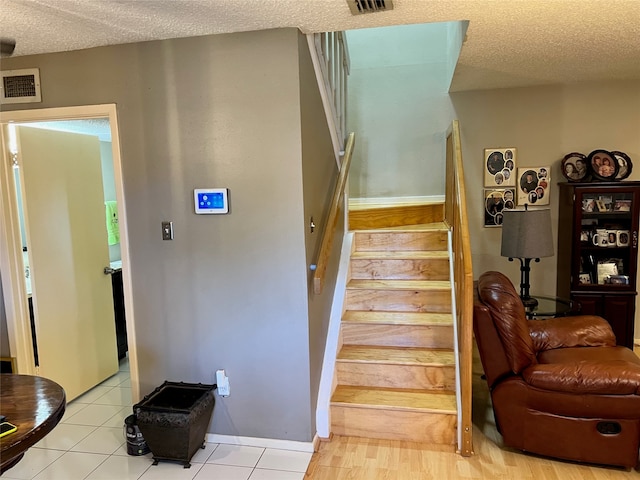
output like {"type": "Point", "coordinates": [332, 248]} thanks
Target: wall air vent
{"type": "Point", "coordinates": [369, 6]}
{"type": "Point", "coordinates": [20, 86]}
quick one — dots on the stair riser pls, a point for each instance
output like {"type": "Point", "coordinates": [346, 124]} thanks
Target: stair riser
{"type": "Point", "coordinates": [372, 269]}
{"type": "Point", "coordinates": [431, 428]}
{"type": "Point", "coordinates": [428, 336]}
{"type": "Point", "coordinates": [435, 378]}
{"type": "Point", "coordinates": [395, 216]}
{"type": "Point", "coordinates": [400, 241]}
{"type": "Point", "coordinates": [429, 301]}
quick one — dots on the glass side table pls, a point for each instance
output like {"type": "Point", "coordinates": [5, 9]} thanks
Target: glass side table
{"type": "Point", "coordinates": [549, 307]}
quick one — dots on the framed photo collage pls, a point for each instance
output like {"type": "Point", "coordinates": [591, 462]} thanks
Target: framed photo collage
{"type": "Point", "coordinates": [507, 185]}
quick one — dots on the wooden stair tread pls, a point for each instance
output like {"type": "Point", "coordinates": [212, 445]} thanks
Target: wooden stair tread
{"type": "Point", "coordinates": [426, 227]}
{"type": "Point", "coordinates": [397, 318]}
{"type": "Point", "coordinates": [395, 399]}
{"type": "Point", "coordinates": [396, 355]}
{"type": "Point", "coordinates": [355, 284]}
{"type": "Point", "coordinates": [401, 255]}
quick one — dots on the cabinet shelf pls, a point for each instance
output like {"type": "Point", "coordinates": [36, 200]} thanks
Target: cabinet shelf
{"type": "Point", "coordinates": [593, 275]}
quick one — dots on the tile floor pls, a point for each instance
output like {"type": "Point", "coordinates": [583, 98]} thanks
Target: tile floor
{"type": "Point", "coordinates": [89, 444]}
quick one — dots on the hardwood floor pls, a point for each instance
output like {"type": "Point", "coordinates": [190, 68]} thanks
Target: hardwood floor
{"type": "Point", "coordinates": [349, 458]}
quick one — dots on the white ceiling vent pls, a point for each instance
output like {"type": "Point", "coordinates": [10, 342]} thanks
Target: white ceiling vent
{"type": "Point", "coordinates": [369, 6]}
{"type": "Point", "coordinates": [20, 86]}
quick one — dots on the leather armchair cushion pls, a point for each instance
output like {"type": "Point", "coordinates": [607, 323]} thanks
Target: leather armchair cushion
{"type": "Point", "coordinates": [496, 291]}
{"type": "Point", "coordinates": [585, 370]}
{"type": "Point", "coordinates": [577, 331]}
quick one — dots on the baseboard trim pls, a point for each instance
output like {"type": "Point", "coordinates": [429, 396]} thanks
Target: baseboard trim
{"type": "Point", "coordinates": [636, 342]}
{"type": "Point", "coordinates": [316, 442]}
{"type": "Point", "coordinates": [263, 442]}
{"type": "Point", "coordinates": [394, 201]}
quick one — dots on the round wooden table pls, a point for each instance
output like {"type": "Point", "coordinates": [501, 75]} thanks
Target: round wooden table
{"type": "Point", "coordinates": [33, 404]}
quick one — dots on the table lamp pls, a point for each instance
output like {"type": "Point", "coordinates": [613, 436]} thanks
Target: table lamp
{"type": "Point", "coordinates": [526, 235]}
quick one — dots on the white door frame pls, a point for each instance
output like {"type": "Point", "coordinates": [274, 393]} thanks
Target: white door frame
{"type": "Point", "coordinates": [14, 288]}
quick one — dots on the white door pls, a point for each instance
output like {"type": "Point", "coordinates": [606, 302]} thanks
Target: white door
{"type": "Point", "coordinates": [67, 243]}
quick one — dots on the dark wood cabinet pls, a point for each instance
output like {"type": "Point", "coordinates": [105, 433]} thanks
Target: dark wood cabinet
{"type": "Point", "coordinates": [120, 318]}
{"type": "Point", "coordinates": [598, 251]}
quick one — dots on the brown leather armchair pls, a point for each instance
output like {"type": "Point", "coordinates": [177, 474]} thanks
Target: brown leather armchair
{"type": "Point", "coordinates": [560, 387]}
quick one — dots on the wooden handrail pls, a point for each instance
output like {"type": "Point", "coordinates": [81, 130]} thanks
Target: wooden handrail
{"type": "Point", "coordinates": [330, 226]}
{"type": "Point", "coordinates": [456, 217]}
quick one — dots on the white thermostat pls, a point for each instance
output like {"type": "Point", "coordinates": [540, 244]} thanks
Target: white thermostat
{"type": "Point", "coordinates": [211, 200]}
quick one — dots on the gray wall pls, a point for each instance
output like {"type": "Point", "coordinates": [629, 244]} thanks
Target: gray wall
{"type": "Point", "coordinates": [230, 291]}
{"type": "Point", "coordinates": [319, 175]}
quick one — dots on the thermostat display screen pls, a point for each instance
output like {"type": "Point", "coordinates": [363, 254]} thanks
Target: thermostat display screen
{"type": "Point", "coordinates": [211, 200]}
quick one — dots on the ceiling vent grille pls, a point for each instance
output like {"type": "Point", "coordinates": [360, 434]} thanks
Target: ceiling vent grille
{"type": "Point", "coordinates": [20, 86]}
{"type": "Point", "coordinates": [369, 6]}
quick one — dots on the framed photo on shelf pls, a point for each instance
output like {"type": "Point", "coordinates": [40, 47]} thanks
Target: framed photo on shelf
{"type": "Point", "coordinates": [618, 279]}
{"type": "Point", "coordinates": [589, 205]}
{"type": "Point", "coordinates": [622, 205]}
{"type": "Point", "coordinates": [603, 165]}
{"type": "Point", "coordinates": [496, 200]}
{"type": "Point", "coordinates": [575, 167]}
{"type": "Point", "coordinates": [584, 278]}
{"type": "Point", "coordinates": [601, 206]}
{"type": "Point", "coordinates": [533, 185]}
{"type": "Point", "coordinates": [605, 269]}
{"type": "Point", "coordinates": [499, 167]}
{"type": "Point", "coordinates": [624, 165]}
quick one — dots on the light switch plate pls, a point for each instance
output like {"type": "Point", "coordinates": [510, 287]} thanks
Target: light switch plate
{"type": "Point", "coordinates": [167, 230]}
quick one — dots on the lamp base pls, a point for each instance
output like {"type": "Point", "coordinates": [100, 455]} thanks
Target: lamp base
{"type": "Point", "coordinates": [529, 302]}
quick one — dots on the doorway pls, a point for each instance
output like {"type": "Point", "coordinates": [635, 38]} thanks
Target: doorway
{"type": "Point", "coordinates": [16, 297]}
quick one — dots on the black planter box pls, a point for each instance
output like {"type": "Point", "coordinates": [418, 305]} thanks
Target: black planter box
{"type": "Point", "coordinates": [174, 418]}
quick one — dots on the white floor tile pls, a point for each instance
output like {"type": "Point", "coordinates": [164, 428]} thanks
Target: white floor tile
{"type": "Point", "coordinates": [103, 440]}
{"type": "Point", "coordinates": [118, 419]}
{"type": "Point", "coordinates": [71, 409]}
{"type": "Point", "coordinates": [122, 452]}
{"type": "Point", "coordinates": [223, 472]}
{"type": "Point", "coordinates": [126, 383]}
{"type": "Point", "coordinates": [116, 396]}
{"type": "Point", "coordinates": [71, 466]}
{"type": "Point", "coordinates": [115, 380]}
{"type": "Point", "coordinates": [203, 454]}
{"type": "Point", "coordinates": [172, 471]}
{"type": "Point", "coordinates": [64, 436]}
{"type": "Point", "coordinates": [92, 395]}
{"type": "Point", "coordinates": [89, 444]}
{"type": "Point", "coordinates": [34, 461]}
{"type": "Point", "coordinates": [121, 468]}
{"type": "Point", "coordinates": [237, 455]}
{"type": "Point", "coordinates": [284, 460]}
{"type": "Point", "coordinates": [93, 414]}
{"type": "Point", "coordinates": [259, 474]}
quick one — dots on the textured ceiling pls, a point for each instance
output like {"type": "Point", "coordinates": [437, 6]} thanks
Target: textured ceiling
{"type": "Point", "coordinates": [509, 42]}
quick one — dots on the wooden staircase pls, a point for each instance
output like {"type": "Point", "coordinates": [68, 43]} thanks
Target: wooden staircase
{"type": "Point", "coordinates": [395, 368]}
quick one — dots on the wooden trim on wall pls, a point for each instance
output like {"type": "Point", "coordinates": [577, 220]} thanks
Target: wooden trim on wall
{"type": "Point", "coordinates": [456, 218]}
{"type": "Point", "coordinates": [329, 230]}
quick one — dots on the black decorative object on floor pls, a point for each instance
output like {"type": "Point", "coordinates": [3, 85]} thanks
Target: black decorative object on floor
{"type": "Point", "coordinates": [174, 419]}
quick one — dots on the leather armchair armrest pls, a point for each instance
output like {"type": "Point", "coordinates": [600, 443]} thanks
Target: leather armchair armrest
{"type": "Point", "coordinates": [613, 377]}
{"type": "Point", "coordinates": [575, 331]}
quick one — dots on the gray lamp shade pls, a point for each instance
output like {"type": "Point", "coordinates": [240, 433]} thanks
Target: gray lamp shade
{"type": "Point", "coordinates": [526, 234]}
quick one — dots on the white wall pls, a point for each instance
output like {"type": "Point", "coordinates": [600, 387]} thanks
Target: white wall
{"type": "Point", "coordinates": [400, 109]}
